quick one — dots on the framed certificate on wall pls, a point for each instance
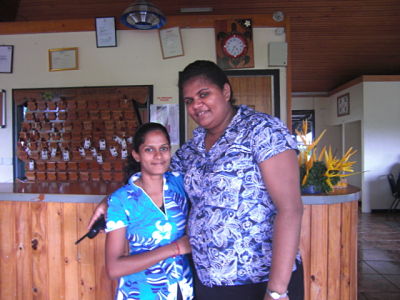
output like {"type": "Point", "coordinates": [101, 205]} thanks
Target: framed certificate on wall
{"type": "Point", "coordinates": [6, 58]}
{"type": "Point", "coordinates": [105, 32]}
{"type": "Point", "coordinates": [62, 59]}
{"type": "Point", "coordinates": [171, 42]}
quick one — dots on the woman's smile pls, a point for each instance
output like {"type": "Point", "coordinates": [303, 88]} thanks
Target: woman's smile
{"type": "Point", "coordinates": [154, 154]}
{"type": "Point", "coordinates": [207, 104]}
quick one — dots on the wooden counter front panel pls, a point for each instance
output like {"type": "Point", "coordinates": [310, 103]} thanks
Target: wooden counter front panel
{"type": "Point", "coordinates": [328, 247]}
{"type": "Point", "coordinates": [39, 258]}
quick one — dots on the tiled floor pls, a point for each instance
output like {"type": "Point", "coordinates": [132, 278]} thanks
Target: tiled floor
{"type": "Point", "coordinates": [379, 256]}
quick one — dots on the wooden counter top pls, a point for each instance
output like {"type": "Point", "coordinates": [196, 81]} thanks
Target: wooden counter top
{"type": "Point", "coordinates": [87, 192]}
{"type": "Point", "coordinates": [350, 193]}
{"type": "Point", "coordinates": [93, 192]}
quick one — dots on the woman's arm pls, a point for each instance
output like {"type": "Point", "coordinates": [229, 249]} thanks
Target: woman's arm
{"type": "Point", "coordinates": [281, 177]}
{"type": "Point", "coordinates": [119, 264]}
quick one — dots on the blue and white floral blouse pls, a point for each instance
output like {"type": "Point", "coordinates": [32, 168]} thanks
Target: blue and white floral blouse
{"type": "Point", "coordinates": [147, 228]}
{"type": "Point", "coordinates": [232, 214]}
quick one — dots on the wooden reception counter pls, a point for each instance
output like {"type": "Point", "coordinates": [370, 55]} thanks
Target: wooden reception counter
{"type": "Point", "coordinates": [39, 224]}
{"type": "Point", "coordinates": [329, 244]}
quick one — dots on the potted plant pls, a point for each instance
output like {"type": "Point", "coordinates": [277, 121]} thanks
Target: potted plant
{"type": "Point", "coordinates": [320, 174]}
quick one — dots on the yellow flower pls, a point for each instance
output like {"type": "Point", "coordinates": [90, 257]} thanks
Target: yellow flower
{"type": "Point", "coordinates": [336, 168]}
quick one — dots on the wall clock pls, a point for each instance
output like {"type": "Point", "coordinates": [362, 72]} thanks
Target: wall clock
{"type": "Point", "coordinates": [234, 43]}
{"type": "Point", "coordinates": [234, 46]}
{"type": "Point", "coordinates": [343, 105]}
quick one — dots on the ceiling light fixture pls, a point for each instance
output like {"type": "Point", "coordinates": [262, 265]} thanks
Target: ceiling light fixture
{"type": "Point", "coordinates": [143, 15]}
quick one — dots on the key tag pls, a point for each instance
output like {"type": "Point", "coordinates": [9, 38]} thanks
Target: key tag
{"type": "Point", "coordinates": [53, 152]}
{"type": "Point", "coordinates": [82, 151]}
{"type": "Point", "coordinates": [123, 143]}
{"type": "Point", "coordinates": [44, 154]}
{"type": "Point", "coordinates": [99, 159]}
{"type": "Point", "coordinates": [113, 151]}
{"type": "Point", "coordinates": [65, 155]}
{"type": "Point", "coordinates": [124, 153]}
{"type": "Point", "coordinates": [102, 144]}
{"type": "Point", "coordinates": [31, 165]}
{"type": "Point", "coordinates": [87, 143]}
{"type": "Point", "coordinates": [94, 151]}
{"type": "Point", "coordinates": [28, 151]}
{"type": "Point", "coordinates": [117, 139]}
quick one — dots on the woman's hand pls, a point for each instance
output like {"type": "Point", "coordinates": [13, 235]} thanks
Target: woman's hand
{"type": "Point", "coordinates": [119, 263]}
{"type": "Point", "coordinates": [101, 209]}
{"type": "Point", "coordinates": [184, 245]}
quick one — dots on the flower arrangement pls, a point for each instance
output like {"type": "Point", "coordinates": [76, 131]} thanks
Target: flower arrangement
{"type": "Point", "coordinates": [319, 174]}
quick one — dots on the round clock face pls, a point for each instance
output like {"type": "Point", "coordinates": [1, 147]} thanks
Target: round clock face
{"type": "Point", "coordinates": [234, 45]}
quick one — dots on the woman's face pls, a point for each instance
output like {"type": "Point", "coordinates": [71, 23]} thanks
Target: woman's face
{"type": "Point", "coordinates": [206, 103]}
{"type": "Point", "coordinates": [154, 154]}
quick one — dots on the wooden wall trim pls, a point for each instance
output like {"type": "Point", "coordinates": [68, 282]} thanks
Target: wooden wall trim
{"type": "Point", "coordinates": [74, 25]}
{"type": "Point", "coordinates": [364, 78]}
{"type": "Point", "coordinates": [346, 86]}
{"type": "Point", "coordinates": [380, 78]}
{"type": "Point", "coordinates": [349, 84]}
{"type": "Point", "coordinates": [288, 77]}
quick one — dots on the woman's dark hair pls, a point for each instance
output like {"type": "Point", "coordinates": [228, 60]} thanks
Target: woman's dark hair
{"type": "Point", "coordinates": [132, 166]}
{"type": "Point", "coordinates": [206, 69]}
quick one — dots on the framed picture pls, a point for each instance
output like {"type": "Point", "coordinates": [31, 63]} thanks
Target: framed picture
{"type": "Point", "coordinates": [171, 42]}
{"type": "Point", "coordinates": [62, 59]}
{"type": "Point", "coordinates": [2, 108]}
{"type": "Point", "coordinates": [343, 105]}
{"type": "Point", "coordinates": [105, 32]}
{"type": "Point", "coordinates": [6, 58]}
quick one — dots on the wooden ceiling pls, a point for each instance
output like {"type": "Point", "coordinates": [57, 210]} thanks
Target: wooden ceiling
{"type": "Point", "coordinates": [332, 42]}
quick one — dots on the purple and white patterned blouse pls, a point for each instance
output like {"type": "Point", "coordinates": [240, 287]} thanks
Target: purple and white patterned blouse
{"type": "Point", "coordinates": [231, 218]}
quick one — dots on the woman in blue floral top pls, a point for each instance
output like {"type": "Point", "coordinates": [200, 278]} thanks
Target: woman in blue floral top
{"type": "Point", "coordinates": [149, 213]}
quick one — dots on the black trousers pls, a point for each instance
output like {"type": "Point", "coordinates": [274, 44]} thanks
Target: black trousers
{"type": "Point", "coordinates": [254, 291]}
{"type": "Point", "coordinates": [179, 297]}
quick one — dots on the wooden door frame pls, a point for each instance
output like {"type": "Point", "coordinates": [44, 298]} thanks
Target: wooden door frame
{"type": "Point", "coordinates": [276, 96]}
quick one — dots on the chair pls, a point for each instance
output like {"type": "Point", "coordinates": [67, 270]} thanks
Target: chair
{"type": "Point", "coordinates": [395, 189]}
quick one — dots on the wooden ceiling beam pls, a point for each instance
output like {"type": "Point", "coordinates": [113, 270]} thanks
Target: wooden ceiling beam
{"type": "Point", "coordinates": [74, 25]}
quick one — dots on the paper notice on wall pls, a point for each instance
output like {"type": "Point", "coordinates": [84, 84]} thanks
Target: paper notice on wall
{"type": "Point", "coordinates": [168, 115]}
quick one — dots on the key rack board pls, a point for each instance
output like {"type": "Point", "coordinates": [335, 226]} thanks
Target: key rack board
{"type": "Point", "coordinates": [76, 134]}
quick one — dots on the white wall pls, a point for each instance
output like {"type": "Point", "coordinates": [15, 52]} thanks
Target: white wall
{"type": "Point", "coordinates": [381, 139]}
{"type": "Point", "coordinates": [303, 103]}
{"type": "Point", "coordinates": [136, 61]}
